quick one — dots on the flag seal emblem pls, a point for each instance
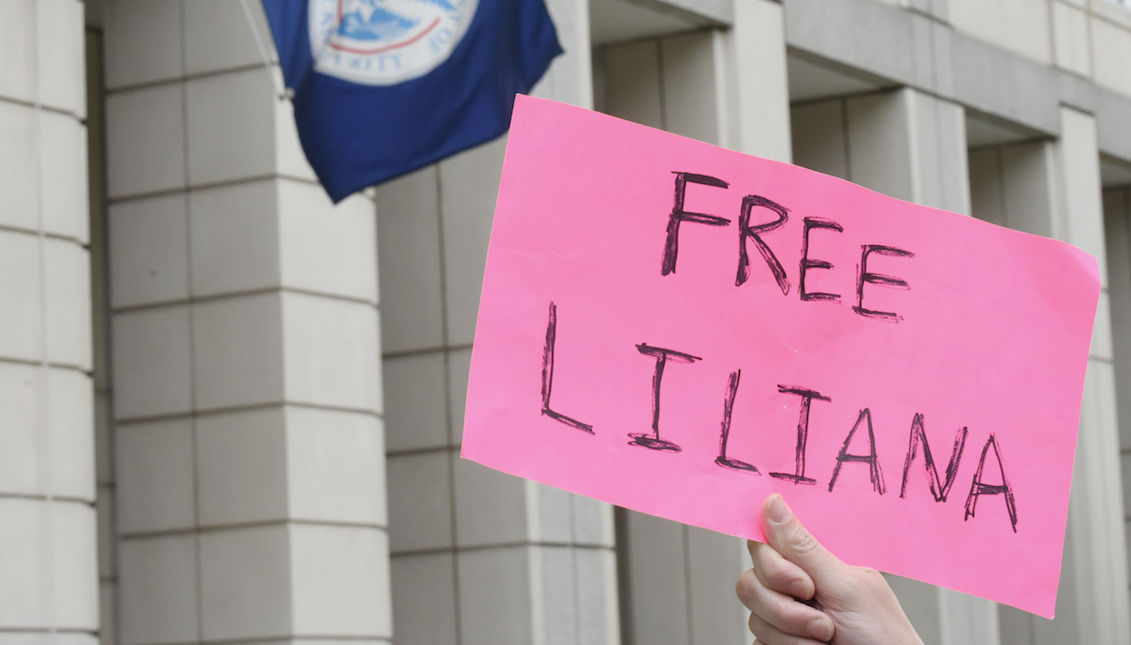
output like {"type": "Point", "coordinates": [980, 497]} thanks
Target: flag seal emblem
{"type": "Point", "coordinates": [385, 42]}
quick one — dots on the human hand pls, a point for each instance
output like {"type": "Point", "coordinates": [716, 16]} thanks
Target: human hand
{"type": "Point", "coordinates": [800, 594]}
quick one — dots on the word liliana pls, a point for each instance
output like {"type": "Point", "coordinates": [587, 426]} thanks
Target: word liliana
{"type": "Point", "coordinates": [753, 233]}
{"type": "Point", "coordinates": [917, 443]}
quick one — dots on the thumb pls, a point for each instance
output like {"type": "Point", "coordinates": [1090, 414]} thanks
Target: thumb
{"type": "Point", "coordinates": [789, 538]}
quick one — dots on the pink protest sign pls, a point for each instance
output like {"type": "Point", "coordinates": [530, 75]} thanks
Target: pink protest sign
{"type": "Point", "coordinates": [682, 330]}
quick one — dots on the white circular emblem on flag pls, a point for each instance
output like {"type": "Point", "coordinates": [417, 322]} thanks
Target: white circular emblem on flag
{"type": "Point", "coordinates": [384, 42]}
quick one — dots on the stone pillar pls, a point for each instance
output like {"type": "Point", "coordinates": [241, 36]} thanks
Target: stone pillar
{"type": "Point", "coordinates": [1052, 189]}
{"type": "Point", "coordinates": [1095, 582]}
{"type": "Point", "coordinates": [48, 570]}
{"type": "Point", "coordinates": [909, 145]}
{"type": "Point", "coordinates": [1117, 229]}
{"type": "Point", "coordinates": [478, 557]}
{"type": "Point", "coordinates": [246, 349]}
{"type": "Point", "coordinates": [1015, 186]}
{"type": "Point", "coordinates": [727, 87]}
{"type": "Point", "coordinates": [100, 327]}
{"type": "Point", "coordinates": [756, 88]}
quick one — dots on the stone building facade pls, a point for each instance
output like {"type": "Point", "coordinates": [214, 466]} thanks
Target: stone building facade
{"type": "Point", "coordinates": [231, 413]}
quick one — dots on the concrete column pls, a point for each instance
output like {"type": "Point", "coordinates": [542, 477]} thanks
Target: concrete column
{"type": "Point", "coordinates": [48, 570]}
{"type": "Point", "coordinates": [1052, 189]}
{"type": "Point", "coordinates": [909, 145]}
{"type": "Point", "coordinates": [728, 87]}
{"type": "Point", "coordinates": [1117, 229]}
{"type": "Point", "coordinates": [756, 88]}
{"type": "Point", "coordinates": [1096, 584]}
{"type": "Point", "coordinates": [1015, 186]}
{"type": "Point", "coordinates": [246, 350]}
{"type": "Point", "coordinates": [100, 326]}
{"type": "Point", "coordinates": [478, 557]}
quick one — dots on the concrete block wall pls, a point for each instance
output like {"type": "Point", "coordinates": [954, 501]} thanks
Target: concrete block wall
{"type": "Point", "coordinates": [48, 575]}
{"type": "Point", "coordinates": [1089, 38]}
{"type": "Point", "coordinates": [246, 350]}
{"type": "Point", "coordinates": [256, 343]}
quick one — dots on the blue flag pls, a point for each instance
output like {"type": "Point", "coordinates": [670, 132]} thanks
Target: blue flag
{"type": "Point", "coordinates": [383, 87]}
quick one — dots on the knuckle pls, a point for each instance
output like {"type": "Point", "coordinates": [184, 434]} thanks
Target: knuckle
{"type": "Point", "coordinates": [800, 588]}
{"type": "Point", "coordinates": [780, 577]}
{"type": "Point", "coordinates": [758, 627]}
{"type": "Point", "coordinates": [800, 541]}
{"type": "Point", "coordinates": [746, 587]}
{"type": "Point", "coordinates": [868, 581]}
{"type": "Point", "coordinates": [788, 614]}
{"type": "Point", "coordinates": [870, 577]}
{"type": "Point", "coordinates": [764, 560]}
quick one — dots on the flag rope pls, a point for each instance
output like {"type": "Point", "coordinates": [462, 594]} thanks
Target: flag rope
{"type": "Point", "coordinates": [283, 93]}
{"type": "Point", "coordinates": [44, 437]}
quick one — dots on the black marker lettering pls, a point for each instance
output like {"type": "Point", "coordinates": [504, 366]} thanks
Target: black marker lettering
{"type": "Point", "coordinates": [671, 244]}
{"type": "Point", "coordinates": [979, 488]}
{"type": "Point", "coordinates": [548, 375]}
{"type": "Point", "coordinates": [810, 223]}
{"type": "Point", "coordinates": [745, 231]}
{"type": "Point", "coordinates": [807, 396]}
{"type": "Point", "coordinates": [864, 276]}
{"type": "Point", "coordinates": [652, 440]}
{"type": "Point", "coordinates": [873, 462]}
{"type": "Point", "coordinates": [919, 437]}
{"type": "Point", "coordinates": [724, 434]}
